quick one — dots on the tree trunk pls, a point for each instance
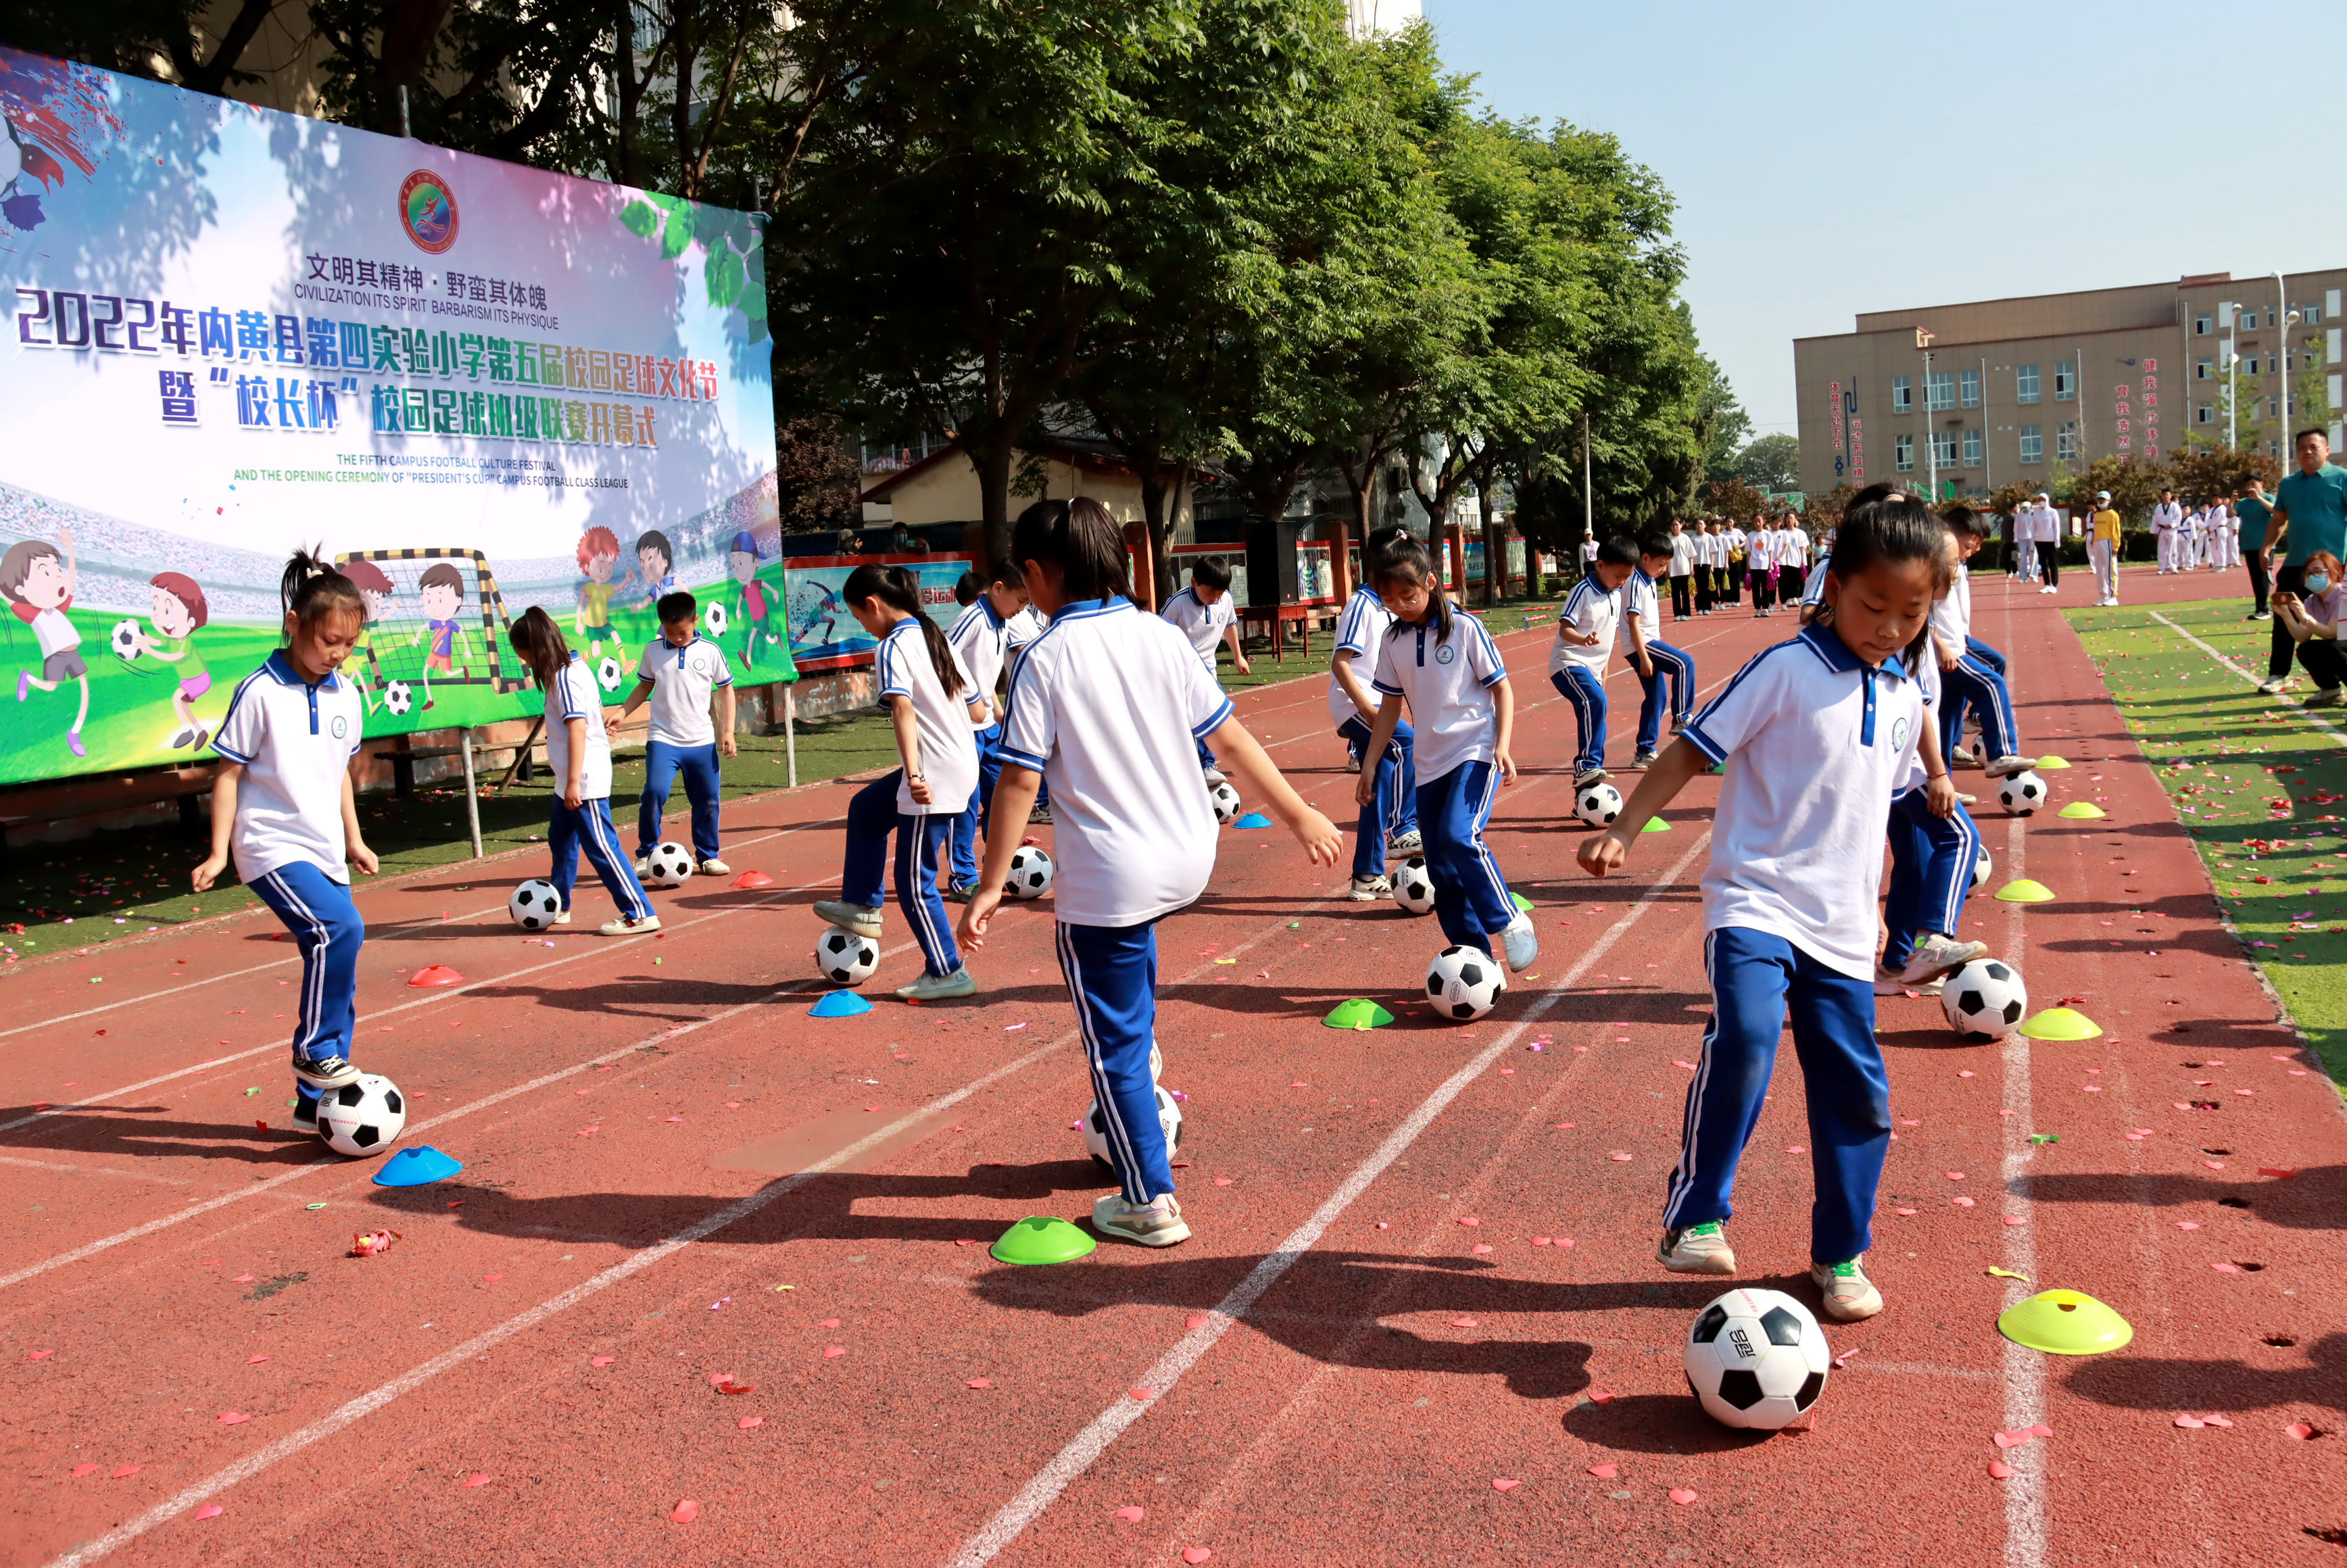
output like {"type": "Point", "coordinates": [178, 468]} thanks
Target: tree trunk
{"type": "Point", "coordinates": [1495, 554]}
{"type": "Point", "coordinates": [992, 459]}
{"type": "Point", "coordinates": [1163, 537]}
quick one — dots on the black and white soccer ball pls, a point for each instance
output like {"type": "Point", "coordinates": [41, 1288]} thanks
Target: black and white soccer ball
{"type": "Point", "coordinates": [1984, 998]}
{"type": "Point", "coordinates": [669, 865]}
{"type": "Point", "coordinates": [713, 619]}
{"type": "Point", "coordinates": [1983, 870]}
{"type": "Point", "coordinates": [398, 698]}
{"type": "Point", "coordinates": [607, 673]}
{"type": "Point", "coordinates": [364, 1117]}
{"type": "Point", "coordinates": [1031, 872]}
{"type": "Point", "coordinates": [1225, 799]}
{"type": "Point", "coordinates": [1756, 1360]}
{"type": "Point", "coordinates": [2021, 793]}
{"type": "Point", "coordinates": [125, 638]}
{"type": "Point", "coordinates": [1598, 804]}
{"type": "Point", "coordinates": [534, 905]}
{"type": "Point", "coordinates": [845, 958]}
{"type": "Point", "coordinates": [1169, 1121]}
{"type": "Point", "coordinates": [1464, 983]}
{"type": "Point", "coordinates": [1413, 887]}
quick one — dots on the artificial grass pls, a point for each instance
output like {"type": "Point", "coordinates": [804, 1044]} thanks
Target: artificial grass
{"type": "Point", "coordinates": [2258, 782]}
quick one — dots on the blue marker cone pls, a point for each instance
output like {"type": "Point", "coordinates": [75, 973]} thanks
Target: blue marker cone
{"type": "Point", "coordinates": [839, 1004]}
{"type": "Point", "coordinates": [417, 1167]}
{"type": "Point", "coordinates": [1252, 819]}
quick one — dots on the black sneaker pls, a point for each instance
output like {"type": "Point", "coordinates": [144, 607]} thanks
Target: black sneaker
{"type": "Point", "coordinates": [305, 1111]}
{"type": "Point", "coordinates": [959, 892]}
{"type": "Point", "coordinates": [324, 1071]}
{"type": "Point", "coordinates": [1643, 760]}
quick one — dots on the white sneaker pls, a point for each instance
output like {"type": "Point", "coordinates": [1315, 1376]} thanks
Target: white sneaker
{"type": "Point", "coordinates": [1937, 955]}
{"type": "Point", "coordinates": [2275, 684]}
{"type": "Point", "coordinates": [623, 926]}
{"type": "Point", "coordinates": [1696, 1249]}
{"type": "Point", "coordinates": [1369, 889]}
{"type": "Point", "coordinates": [2049, 591]}
{"type": "Point", "coordinates": [2005, 767]}
{"type": "Point", "coordinates": [863, 919]}
{"type": "Point", "coordinates": [713, 866]}
{"type": "Point", "coordinates": [2332, 697]}
{"type": "Point", "coordinates": [1849, 1296]}
{"type": "Point", "coordinates": [1352, 763]}
{"type": "Point", "coordinates": [1888, 983]}
{"type": "Point", "coordinates": [563, 918]}
{"type": "Point", "coordinates": [1522, 943]}
{"type": "Point", "coordinates": [1402, 846]}
{"type": "Point", "coordinates": [940, 987]}
{"type": "Point", "coordinates": [1157, 1222]}
{"type": "Point", "coordinates": [1589, 776]}
{"type": "Point", "coordinates": [1214, 777]}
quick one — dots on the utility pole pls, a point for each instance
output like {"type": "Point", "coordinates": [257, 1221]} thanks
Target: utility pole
{"type": "Point", "coordinates": [2225, 312]}
{"type": "Point", "coordinates": [1588, 494]}
{"type": "Point", "coordinates": [1931, 433]}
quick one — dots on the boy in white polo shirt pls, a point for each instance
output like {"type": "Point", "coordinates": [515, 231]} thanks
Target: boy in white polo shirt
{"type": "Point", "coordinates": [1585, 646]}
{"type": "Point", "coordinates": [981, 637]}
{"type": "Point", "coordinates": [680, 672]}
{"type": "Point", "coordinates": [1387, 826]}
{"type": "Point", "coordinates": [1206, 615]}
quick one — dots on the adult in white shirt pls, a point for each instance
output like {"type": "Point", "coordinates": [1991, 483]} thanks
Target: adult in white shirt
{"type": "Point", "coordinates": [1588, 554]}
{"type": "Point", "coordinates": [1682, 572]}
{"type": "Point", "coordinates": [2045, 543]}
{"type": "Point", "coordinates": [2166, 529]}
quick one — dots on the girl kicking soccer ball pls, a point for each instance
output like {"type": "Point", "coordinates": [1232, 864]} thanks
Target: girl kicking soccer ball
{"type": "Point", "coordinates": [1109, 704]}
{"type": "Point", "coordinates": [281, 804]}
{"type": "Point", "coordinates": [578, 755]}
{"type": "Point", "coordinates": [1788, 900]}
{"type": "Point", "coordinates": [933, 705]}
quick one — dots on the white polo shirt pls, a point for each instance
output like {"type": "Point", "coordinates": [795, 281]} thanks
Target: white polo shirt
{"type": "Point", "coordinates": [1109, 706]}
{"type": "Point", "coordinates": [1952, 617]}
{"type": "Point", "coordinates": [982, 640]}
{"type": "Point", "coordinates": [1020, 631]}
{"type": "Point", "coordinates": [1201, 623]}
{"type": "Point", "coordinates": [903, 667]}
{"type": "Point", "coordinates": [1682, 554]}
{"type": "Point", "coordinates": [1927, 687]}
{"type": "Point", "coordinates": [682, 679]}
{"type": "Point", "coordinates": [575, 696]}
{"type": "Point", "coordinates": [1590, 606]}
{"type": "Point", "coordinates": [1638, 599]}
{"type": "Point", "coordinates": [1588, 551]}
{"type": "Point", "coordinates": [1814, 591]}
{"type": "Point", "coordinates": [1361, 632]}
{"type": "Point", "coordinates": [1788, 856]}
{"type": "Point", "coordinates": [1448, 684]}
{"type": "Point", "coordinates": [295, 741]}
{"type": "Point", "coordinates": [1760, 550]}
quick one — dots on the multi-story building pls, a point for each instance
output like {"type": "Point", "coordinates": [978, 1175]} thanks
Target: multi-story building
{"type": "Point", "coordinates": [1981, 395]}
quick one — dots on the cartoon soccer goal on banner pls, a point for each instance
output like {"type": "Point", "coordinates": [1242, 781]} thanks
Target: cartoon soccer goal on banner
{"type": "Point", "coordinates": [434, 619]}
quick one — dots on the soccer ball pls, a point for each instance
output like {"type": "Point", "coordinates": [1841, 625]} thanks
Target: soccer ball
{"type": "Point", "coordinates": [1984, 998]}
{"type": "Point", "coordinates": [397, 697]}
{"type": "Point", "coordinates": [1169, 1120]}
{"type": "Point", "coordinates": [715, 619]}
{"type": "Point", "coordinates": [1225, 799]}
{"type": "Point", "coordinates": [2021, 793]}
{"type": "Point", "coordinates": [1413, 887]}
{"type": "Point", "coordinates": [534, 905]}
{"type": "Point", "coordinates": [1463, 984]}
{"type": "Point", "coordinates": [669, 865]}
{"type": "Point", "coordinates": [1983, 870]}
{"type": "Point", "coordinates": [364, 1117]}
{"type": "Point", "coordinates": [609, 672]}
{"type": "Point", "coordinates": [1031, 872]}
{"type": "Point", "coordinates": [1598, 804]}
{"type": "Point", "coordinates": [127, 641]}
{"type": "Point", "coordinates": [1756, 1360]}
{"type": "Point", "coordinates": [845, 958]}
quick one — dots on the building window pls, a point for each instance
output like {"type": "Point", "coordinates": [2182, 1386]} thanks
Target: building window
{"type": "Point", "coordinates": [2203, 369]}
{"type": "Point", "coordinates": [1943, 448]}
{"type": "Point", "coordinates": [2066, 443]}
{"type": "Point", "coordinates": [1940, 390]}
{"type": "Point", "coordinates": [2024, 382]}
{"type": "Point", "coordinates": [1968, 382]}
{"type": "Point", "coordinates": [2313, 313]}
{"type": "Point", "coordinates": [1972, 448]}
{"type": "Point", "coordinates": [2205, 414]}
{"type": "Point", "coordinates": [2200, 324]}
{"type": "Point", "coordinates": [1903, 453]}
{"type": "Point", "coordinates": [2065, 382]}
{"type": "Point", "coordinates": [1902, 395]}
{"type": "Point", "coordinates": [2033, 443]}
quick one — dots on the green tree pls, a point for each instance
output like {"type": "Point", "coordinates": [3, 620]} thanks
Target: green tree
{"type": "Point", "coordinates": [1771, 463]}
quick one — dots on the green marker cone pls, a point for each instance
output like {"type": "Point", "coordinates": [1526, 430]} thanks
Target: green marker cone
{"type": "Point", "coordinates": [1522, 902]}
{"type": "Point", "coordinates": [1358, 1012]}
{"type": "Point", "coordinates": [1041, 1238]}
{"type": "Point", "coordinates": [1656, 824]}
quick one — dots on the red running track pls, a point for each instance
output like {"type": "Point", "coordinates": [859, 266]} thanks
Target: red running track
{"type": "Point", "coordinates": [658, 1141]}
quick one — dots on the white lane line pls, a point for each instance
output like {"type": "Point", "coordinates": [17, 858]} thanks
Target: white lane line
{"type": "Point", "coordinates": [95, 1171]}
{"type": "Point", "coordinates": [2023, 1369]}
{"type": "Point", "coordinates": [1016, 1516]}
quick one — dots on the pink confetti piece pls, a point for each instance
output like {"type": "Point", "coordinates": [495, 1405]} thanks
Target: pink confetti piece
{"type": "Point", "coordinates": [1955, 1175]}
{"type": "Point", "coordinates": [1222, 1181]}
{"type": "Point", "coordinates": [477, 1479]}
{"type": "Point", "coordinates": [1843, 1358]}
{"type": "Point", "coordinates": [2013, 1439]}
{"type": "Point", "coordinates": [1464, 1323]}
{"type": "Point", "coordinates": [831, 1350]}
{"type": "Point", "coordinates": [1500, 1483]}
{"type": "Point", "coordinates": [1962, 1203]}
{"type": "Point", "coordinates": [1617, 1155]}
{"type": "Point", "coordinates": [1795, 1149]}
{"type": "Point", "coordinates": [39, 1355]}
{"type": "Point", "coordinates": [2217, 1422]}
{"type": "Point", "coordinates": [602, 1360]}
{"type": "Point", "coordinates": [1194, 1555]}
{"type": "Point", "coordinates": [1195, 1320]}
{"type": "Point", "coordinates": [491, 1279]}
{"type": "Point", "coordinates": [1967, 1073]}
{"type": "Point", "coordinates": [82, 1469]}
{"type": "Point", "coordinates": [1999, 1470]}
{"type": "Point", "coordinates": [2191, 1422]}
{"type": "Point", "coordinates": [2281, 1172]}
{"type": "Point", "coordinates": [2187, 1225]}
{"type": "Point", "coordinates": [210, 1511]}
{"type": "Point", "coordinates": [1481, 1247]}
{"type": "Point", "coordinates": [2014, 1220]}
{"type": "Point", "coordinates": [1014, 1028]}
{"type": "Point", "coordinates": [2301, 1431]}
{"type": "Point", "coordinates": [255, 1361]}
{"type": "Point", "coordinates": [1597, 1396]}
{"type": "Point", "coordinates": [1539, 1241]}
{"type": "Point", "coordinates": [749, 1423]}
{"type": "Point", "coordinates": [2214, 1164]}
{"type": "Point", "coordinates": [1681, 1496]}
{"type": "Point", "coordinates": [2224, 1267]}
{"type": "Point", "coordinates": [684, 1513]}
{"type": "Point", "coordinates": [1604, 1472]}
{"type": "Point", "coordinates": [1688, 1065]}
{"type": "Point", "coordinates": [232, 1418]}
{"type": "Point", "coordinates": [125, 1472]}
{"type": "Point", "coordinates": [1906, 1211]}
{"type": "Point", "coordinates": [1468, 1220]}
{"type": "Point", "coordinates": [1132, 1514]}
{"type": "Point", "coordinates": [241, 1280]}
{"type": "Point", "coordinates": [1144, 1395]}
{"type": "Point", "coordinates": [978, 1382]}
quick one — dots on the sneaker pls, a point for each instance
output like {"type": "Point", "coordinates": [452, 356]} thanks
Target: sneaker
{"type": "Point", "coordinates": [1039, 817]}
{"type": "Point", "coordinates": [1849, 1296]}
{"type": "Point", "coordinates": [1889, 983]}
{"type": "Point", "coordinates": [1213, 775]}
{"type": "Point", "coordinates": [1967, 799]}
{"type": "Point", "coordinates": [1352, 762]}
{"type": "Point", "coordinates": [305, 1111]}
{"type": "Point", "coordinates": [940, 987]}
{"type": "Point", "coordinates": [2049, 590]}
{"type": "Point", "coordinates": [1696, 1249]}
{"type": "Point", "coordinates": [1157, 1222]}
{"type": "Point", "coordinates": [1643, 760]}
{"type": "Point", "coordinates": [2274, 685]}
{"type": "Point", "coordinates": [1588, 776]}
{"type": "Point", "coordinates": [864, 919]}
{"type": "Point", "coordinates": [713, 866]}
{"type": "Point", "coordinates": [623, 926]}
{"type": "Point", "coordinates": [2330, 698]}
{"type": "Point", "coordinates": [563, 918]}
{"type": "Point", "coordinates": [643, 867]}
{"type": "Point", "coordinates": [1963, 757]}
{"type": "Point", "coordinates": [1402, 846]}
{"type": "Point", "coordinates": [959, 892]}
{"type": "Point", "coordinates": [1937, 955]}
{"type": "Point", "coordinates": [1522, 943]}
{"type": "Point", "coordinates": [1368, 889]}
{"type": "Point", "coordinates": [324, 1071]}
{"type": "Point", "coordinates": [2005, 767]}
{"type": "Point", "coordinates": [2258, 615]}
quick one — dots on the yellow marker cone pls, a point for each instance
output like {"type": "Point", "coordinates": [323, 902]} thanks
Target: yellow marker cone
{"type": "Point", "coordinates": [2082, 810]}
{"type": "Point", "coordinates": [2060, 1023]}
{"type": "Point", "coordinates": [2052, 765]}
{"type": "Point", "coordinates": [2024, 891]}
{"type": "Point", "coordinates": [2065, 1323]}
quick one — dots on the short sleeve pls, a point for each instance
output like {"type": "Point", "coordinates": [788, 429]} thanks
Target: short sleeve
{"type": "Point", "coordinates": [894, 680]}
{"type": "Point", "coordinates": [1204, 706]}
{"type": "Point", "coordinates": [565, 685]}
{"type": "Point", "coordinates": [1029, 725]}
{"type": "Point", "coordinates": [645, 669]}
{"type": "Point", "coordinates": [724, 673]}
{"type": "Point", "coordinates": [1386, 677]}
{"type": "Point", "coordinates": [1352, 626]}
{"type": "Point", "coordinates": [1744, 708]}
{"type": "Point", "coordinates": [1483, 655]}
{"type": "Point", "coordinates": [247, 725]}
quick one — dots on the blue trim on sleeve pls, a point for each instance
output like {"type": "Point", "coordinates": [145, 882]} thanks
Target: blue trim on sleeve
{"type": "Point", "coordinates": [1376, 685]}
{"type": "Point", "coordinates": [1497, 676]}
{"type": "Point", "coordinates": [1221, 715]}
{"type": "Point", "coordinates": [1710, 748]}
{"type": "Point", "coordinates": [1024, 759]}
{"type": "Point", "coordinates": [231, 755]}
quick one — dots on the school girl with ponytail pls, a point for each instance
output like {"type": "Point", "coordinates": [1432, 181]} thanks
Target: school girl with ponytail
{"type": "Point", "coordinates": [281, 805]}
{"type": "Point", "coordinates": [578, 755]}
{"type": "Point", "coordinates": [935, 707]}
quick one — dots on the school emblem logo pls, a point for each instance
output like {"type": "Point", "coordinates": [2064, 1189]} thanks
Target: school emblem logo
{"type": "Point", "coordinates": [1898, 733]}
{"type": "Point", "coordinates": [1444, 653]}
{"type": "Point", "coordinates": [342, 727]}
{"type": "Point", "coordinates": [427, 210]}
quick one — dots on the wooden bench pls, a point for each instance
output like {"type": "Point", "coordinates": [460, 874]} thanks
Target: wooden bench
{"type": "Point", "coordinates": [1274, 620]}
{"type": "Point", "coordinates": [71, 798]}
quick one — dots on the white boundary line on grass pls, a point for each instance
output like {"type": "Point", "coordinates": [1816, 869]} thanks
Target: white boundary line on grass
{"type": "Point", "coordinates": [2304, 715]}
{"type": "Point", "coordinates": [1015, 1517]}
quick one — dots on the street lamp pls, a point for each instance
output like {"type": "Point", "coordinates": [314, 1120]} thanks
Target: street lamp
{"type": "Point", "coordinates": [1923, 336]}
{"type": "Point", "coordinates": [2225, 309]}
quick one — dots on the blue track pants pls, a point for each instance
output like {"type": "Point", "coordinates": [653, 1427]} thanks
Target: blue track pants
{"type": "Point", "coordinates": [1579, 685]}
{"type": "Point", "coordinates": [921, 844]}
{"type": "Point", "coordinates": [1471, 897]}
{"type": "Point", "coordinates": [1673, 681]}
{"type": "Point", "coordinates": [1932, 861]}
{"type": "Point", "coordinates": [663, 762]}
{"type": "Point", "coordinates": [587, 830]}
{"type": "Point", "coordinates": [1394, 807]}
{"type": "Point", "coordinates": [326, 927]}
{"type": "Point", "coordinates": [1112, 973]}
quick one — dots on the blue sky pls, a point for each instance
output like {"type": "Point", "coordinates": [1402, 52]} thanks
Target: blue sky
{"type": "Point", "coordinates": [2015, 148]}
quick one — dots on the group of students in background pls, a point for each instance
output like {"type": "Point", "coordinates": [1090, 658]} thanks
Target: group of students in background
{"type": "Point", "coordinates": [2203, 537]}
{"type": "Point", "coordinates": [1711, 563]}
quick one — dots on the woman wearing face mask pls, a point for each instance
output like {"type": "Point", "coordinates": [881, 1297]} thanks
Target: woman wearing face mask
{"type": "Point", "coordinates": [2312, 618]}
